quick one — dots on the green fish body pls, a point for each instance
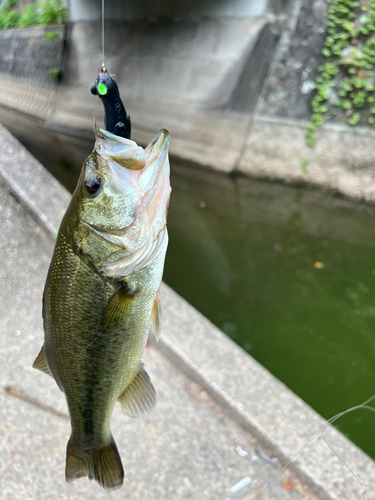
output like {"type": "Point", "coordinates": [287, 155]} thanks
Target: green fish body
{"type": "Point", "coordinates": [100, 296]}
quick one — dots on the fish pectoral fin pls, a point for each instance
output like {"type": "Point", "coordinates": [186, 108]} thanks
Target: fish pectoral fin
{"type": "Point", "coordinates": [155, 317]}
{"type": "Point", "coordinates": [140, 396]}
{"type": "Point", "coordinates": [41, 364]}
{"type": "Point", "coordinates": [117, 308]}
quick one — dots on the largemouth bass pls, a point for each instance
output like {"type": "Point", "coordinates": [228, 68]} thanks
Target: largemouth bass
{"type": "Point", "coordinates": [101, 295]}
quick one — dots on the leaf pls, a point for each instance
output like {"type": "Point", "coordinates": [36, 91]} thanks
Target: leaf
{"type": "Point", "coordinates": [288, 485]}
{"type": "Point", "coordinates": [318, 265]}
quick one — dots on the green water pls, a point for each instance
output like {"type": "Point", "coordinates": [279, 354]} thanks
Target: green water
{"type": "Point", "coordinates": [244, 254]}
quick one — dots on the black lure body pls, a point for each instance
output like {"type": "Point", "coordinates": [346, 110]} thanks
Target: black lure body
{"type": "Point", "coordinates": [117, 120]}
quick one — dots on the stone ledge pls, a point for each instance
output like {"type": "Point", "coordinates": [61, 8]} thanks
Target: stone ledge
{"type": "Point", "coordinates": [342, 160]}
{"type": "Point", "coordinates": [258, 401]}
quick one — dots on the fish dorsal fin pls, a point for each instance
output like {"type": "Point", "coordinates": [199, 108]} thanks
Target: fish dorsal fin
{"type": "Point", "coordinates": [140, 396]}
{"type": "Point", "coordinates": [41, 364]}
{"type": "Point", "coordinates": [156, 317]}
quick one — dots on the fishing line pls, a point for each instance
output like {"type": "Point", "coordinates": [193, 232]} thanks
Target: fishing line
{"type": "Point", "coordinates": [103, 65]}
{"type": "Point", "coordinates": [363, 406]}
{"type": "Point", "coordinates": [346, 465]}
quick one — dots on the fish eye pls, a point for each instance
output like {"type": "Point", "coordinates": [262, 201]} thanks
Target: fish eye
{"type": "Point", "coordinates": [94, 183]}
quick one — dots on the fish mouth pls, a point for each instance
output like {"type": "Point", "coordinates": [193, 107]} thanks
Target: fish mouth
{"type": "Point", "coordinates": [120, 150]}
{"type": "Point", "coordinates": [128, 154]}
{"type": "Point", "coordinates": [143, 235]}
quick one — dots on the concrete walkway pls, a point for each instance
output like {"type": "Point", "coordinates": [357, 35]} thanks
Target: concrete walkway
{"type": "Point", "coordinates": [186, 448]}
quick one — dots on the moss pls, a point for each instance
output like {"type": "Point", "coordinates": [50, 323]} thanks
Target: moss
{"type": "Point", "coordinates": [304, 164]}
{"type": "Point", "coordinates": [51, 35]}
{"type": "Point", "coordinates": [54, 74]}
{"type": "Point", "coordinates": [350, 52]}
{"type": "Point", "coordinates": [354, 119]}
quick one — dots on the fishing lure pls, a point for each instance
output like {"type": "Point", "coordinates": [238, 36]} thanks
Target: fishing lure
{"type": "Point", "coordinates": [117, 120]}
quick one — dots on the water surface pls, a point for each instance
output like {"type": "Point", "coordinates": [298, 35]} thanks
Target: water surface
{"type": "Point", "coordinates": [287, 273]}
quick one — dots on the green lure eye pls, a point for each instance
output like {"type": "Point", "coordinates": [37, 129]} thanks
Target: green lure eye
{"type": "Point", "coordinates": [102, 89]}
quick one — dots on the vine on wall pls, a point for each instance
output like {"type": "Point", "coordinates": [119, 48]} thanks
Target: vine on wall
{"type": "Point", "coordinates": [345, 87]}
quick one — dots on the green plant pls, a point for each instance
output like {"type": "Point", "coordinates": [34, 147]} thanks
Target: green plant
{"type": "Point", "coordinates": [354, 119]}
{"type": "Point", "coordinates": [30, 17]}
{"type": "Point", "coordinates": [51, 35]}
{"type": "Point", "coordinates": [6, 5]}
{"type": "Point", "coordinates": [350, 52]}
{"type": "Point", "coordinates": [38, 13]}
{"type": "Point", "coordinates": [304, 164]}
{"type": "Point", "coordinates": [10, 20]}
{"type": "Point", "coordinates": [52, 12]}
{"type": "Point", "coordinates": [310, 134]}
{"type": "Point", "coordinates": [54, 73]}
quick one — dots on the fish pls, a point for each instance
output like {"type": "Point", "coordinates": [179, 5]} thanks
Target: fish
{"type": "Point", "coordinates": [101, 296]}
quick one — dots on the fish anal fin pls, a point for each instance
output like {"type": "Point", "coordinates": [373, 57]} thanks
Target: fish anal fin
{"type": "Point", "coordinates": [140, 396]}
{"type": "Point", "coordinates": [103, 464]}
{"type": "Point", "coordinates": [41, 364]}
{"type": "Point", "coordinates": [156, 317]}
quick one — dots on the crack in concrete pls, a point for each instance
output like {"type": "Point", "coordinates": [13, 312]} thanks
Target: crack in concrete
{"type": "Point", "coordinates": [21, 395]}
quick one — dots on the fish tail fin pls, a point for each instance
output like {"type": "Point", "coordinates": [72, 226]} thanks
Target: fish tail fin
{"type": "Point", "coordinates": [102, 464]}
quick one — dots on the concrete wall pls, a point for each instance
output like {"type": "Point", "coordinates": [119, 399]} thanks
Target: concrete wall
{"type": "Point", "coordinates": [188, 52]}
{"type": "Point", "coordinates": [193, 68]}
{"type": "Point", "coordinates": [343, 158]}
{"type": "Point", "coordinates": [196, 68]}
{"type": "Point", "coordinates": [91, 10]}
{"type": "Point", "coordinates": [290, 85]}
{"type": "Point", "coordinates": [188, 62]}
{"type": "Point", "coordinates": [28, 87]}
{"type": "Point", "coordinates": [28, 65]}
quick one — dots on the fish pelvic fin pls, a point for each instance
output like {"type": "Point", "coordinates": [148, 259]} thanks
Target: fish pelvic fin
{"type": "Point", "coordinates": [156, 317]}
{"type": "Point", "coordinates": [103, 464]}
{"type": "Point", "coordinates": [140, 396]}
{"type": "Point", "coordinates": [41, 363]}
